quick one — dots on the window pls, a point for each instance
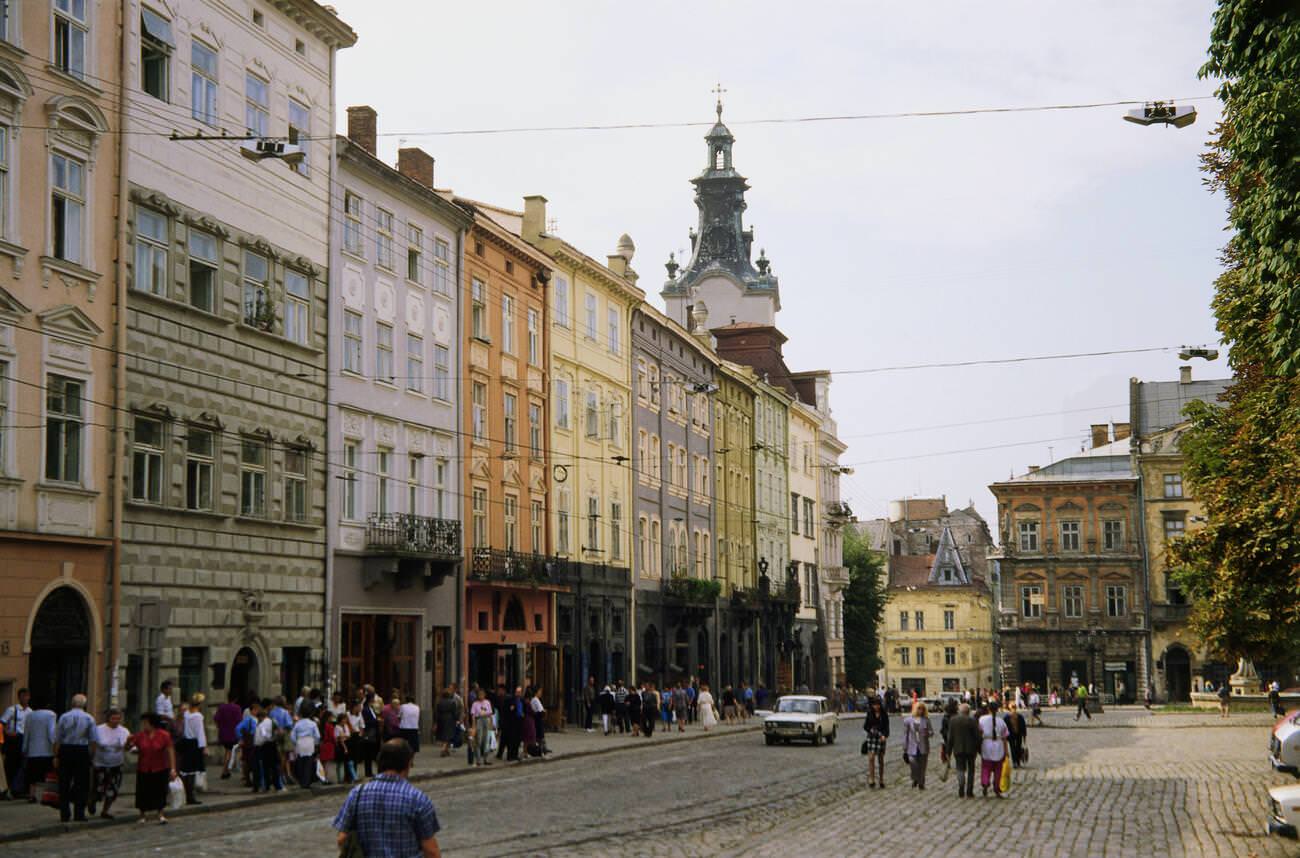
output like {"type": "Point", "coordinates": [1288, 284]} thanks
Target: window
{"type": "Point", "coordinates": [414, 363]}
{"type": "Point", "coordinates": [679, 468]}
{"type": "Point", "coordinates": [68, 201]}
{"type": "Point", "coordinates": [352, 234]}
{"type": "Point", "coordinates": [919, 618]}
{"type": "Point", "coordinates": [616, 530]}
{"type": "Point", "coordinates": [643, 543]}
{"type": "Point", "coordinates": [562, 403]}
{"type": "Point", "coordinates": [295, 484]}
{"type": "Point", "coordinates": [70, 32]}
{"type": "Point", "coordinates": [203, 83]}
{"type": "Point", "coordinates": [297, 307]}
{"type": "Point", "coordinates": [808, 510]}
{"type": "Point", "coordinates": [949, 655]}
{"type": "Point", "coordinates": [1031, 601]}
{"type": "Point", "coordinates": [562, 302]}
{"type": "Point", "coordinates": [615, 345]}
{"type": "Point", "coordinates": [414, 253]}
{"type": "Point", "coordinates": [534, 339]}
{"type": "Point", "coordinates": [1072, 601]}
{"type": "Point", "coordinates": [507, 324]}
{"type": "Point", "coordinates": [8, 21]}
{"type": "Point", "coordinates": [384, 238]}
{"type": "Point", "coordinates": [642, 381]}
{"type": "Point", "coordinates": [949, 620]}
{"type": "Point", "coordinates": [349, 480]}
{"type": "Point", "coordinates": [442, 373]}
{"type": "Point", "coordinates": [383, 480]}
{"type": "Point", "coordinates": [593, 415]}
{"type": "Point", "coordinates": [203, 270]}
{"type": "Point", "coordinates": [1173, 485]}
{"type": "Point", "coordinates": [200, 447]}
{"type": "Point", "coordinates": [4, 179]}
{"type": "Point", "coordinates": [510, 406]}
{"type": "Point", "coordinates": [257, 105]}
{"type": "Point", "coordinates": [478, 397]}
{"type": "Point", "coordinates": [656, 460]}
{"type": "Point", "coordinates": [300, 133]}
{"type": "Point", "coordinates": [1112, 535]}
{"type": "Point", "coordinates": [1069, 536]}
{"type": "Point", "coordinates": [63, 422]}
{"type": "Point", "coordinates": [920, 657]}
{"type": "Point", "coordinates": [150, 252]}
{"type": "Point", "coordinates": [413, 466]}
{"type": "Point", "coordinates": [352, 341]}
{"type": "Point", "coordinates": [702, 469]}
{"type": "Point", "coordinates": [478, 311]}
{"type": "Point", "coordinates": [440, 488]}
{"type": "Point", "coordinates": [535, 429]}
{"type": "Point", "coordinates": [147, 461]}
{"type": "Point", "coordinates": [4, 416]}
{"type": "Point", "coordinates": [252, 477]}
{"type": "Point", "coordinates": [1116, 600]}
{"type": "Point", "coordinates": [591, 316]}
{"type": "Point", "coordinates": [562, 524]}
{"type": "Point", "coordinates": [642, 465]}
{"type": "Point", "coordinates": [156, 46]}
{"type": "Point", "coordinates": [794, 513]}
{"type": "Point", "coordinates": [442, 267]}
{"type": "Point", "coordinates": [478, 510]}
{"type": "Point", "coordinates": [903, 617]}
{"type": "Point", "coordinates": [535, 519]}
{"type": "Point", "coordinates": [511, 516]}
{"type": "Point", "coordinates": [654, 385]}
{"type": "Point", "coordinates": [593, 524]}
{"type": "Point", "coordinates": [384, 352]}
{"type": "Point", "coordinates": [259, 312]}
{"type": "Point", "coordinates": [904, 656]}
{"type": "Point", "coordinates": [1028, 536]}
{"type": "Point", "coordinates": [616, 423]}
{"type": "Point", "coordinates": [1175, 527]}
{"type": "Point", "coordinates": [656, 547]}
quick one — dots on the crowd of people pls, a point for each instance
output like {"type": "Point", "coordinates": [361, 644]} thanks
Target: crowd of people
{"type": "Point", "coordinates": [638, 710]}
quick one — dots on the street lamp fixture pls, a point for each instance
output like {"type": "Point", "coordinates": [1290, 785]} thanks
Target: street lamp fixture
{"type": "Point", "coordinates": [1203, 353]}
{"type": "Point", "coordinates": [1162, 113]}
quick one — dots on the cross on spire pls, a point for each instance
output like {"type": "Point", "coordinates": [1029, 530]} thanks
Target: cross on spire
{"type": "Point", "coordinates": [719, 91]}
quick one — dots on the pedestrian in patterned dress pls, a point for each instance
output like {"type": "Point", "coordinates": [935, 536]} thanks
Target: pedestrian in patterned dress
{"type": "Point", "coordinates": [708, 717]}
{"type": "Point", "coordinates": [876, 725]}
{"type": "Point", "coordinates": [110, 749]}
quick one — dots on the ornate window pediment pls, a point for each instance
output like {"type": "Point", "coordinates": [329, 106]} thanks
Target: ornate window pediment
{"type": "Point", "coordinates": [11, 309]}
{"type": "Point", "coordinates": [1028, 507]}
{"type": "Point", "coordinates": [69, 322]}
{"type": "Point", "coordinates": [1111, 506]}
{"type": "Point", "coordinates": [1070, 506]}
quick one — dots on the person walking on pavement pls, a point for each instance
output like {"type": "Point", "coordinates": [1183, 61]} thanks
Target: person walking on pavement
{"type": "Point", "coordinates": [446, 717]}
{"type": "Point", "coordinates": [1150, 696]}
{"type": "Point", "coordinates": [192, 748]}
{"type": "Point", "coordinates": [109, 752]}
{"type": "Point", "coordinates": [876, 726]}
{"type": "Point", "coordinates": [481, 712]}
{"type": "Point", "coordinates": [155, 767]}
{"type": "Point", "coordinates": [681, 706]}
{"type": "Point", "coordinates": [649, 709]}
{"type": "Point", "coordinates": [1036, 706]}
{"type": "Point", "coordinates": [704, 704]}
{"type": "Point", "coordinates": [993, 749]}
{"type": "Point", "coordinates": [1017, 734]}
{"type": "Point", "coordinates": [589, 703]}
{"type": "Point", "coordinates": [1225, 698]}
{"type": "Point", "coordinates": [634, 703]}
{"type": "Point", "coordinates": [1081, 703]}
{"type": "Point", "coordinates": [606, 702]}
{"type": "Point", "coordinates": [162, 704]}
{"type": "Point", "coordinates": [13, 722]}
{"type": "Point", "coordinates": [408, 723]}
{"type": "Point", "coordinates": [389, 816]}
{"type": "Point", "coordinates": [266, 751]}
{"type": "Point", "coordinates": [304, 737]}
{"type": "Point", "coordinates": [1274, 698]}
{"type": "Point", "coordinates": [73, 736]}
{"type": "Point", "coordinates": [917, 731]}
{"type": "Point", "coordinates": [963, 745]}
{"type": "Point", "coordinates": [227, 718]}
{"type": "Point", "coordinates": [620, 707]}
{"type": "Point", "coordinates": [38, 749]}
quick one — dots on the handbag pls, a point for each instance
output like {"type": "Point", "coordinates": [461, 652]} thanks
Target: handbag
{"type": "Point", "coordinates": [864, 746]}
{"type": "Point", "coordinates": [1004, 782]}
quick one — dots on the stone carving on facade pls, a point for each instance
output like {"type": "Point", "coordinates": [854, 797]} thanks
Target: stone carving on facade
{"type": "Point", "coordinates": [385, 433]}
{"type": "Point", "coordinates": [353, 424]}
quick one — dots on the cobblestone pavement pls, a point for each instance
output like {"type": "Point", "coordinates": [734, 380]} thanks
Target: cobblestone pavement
{"type": "Point", "coordinates": [1178, 785]}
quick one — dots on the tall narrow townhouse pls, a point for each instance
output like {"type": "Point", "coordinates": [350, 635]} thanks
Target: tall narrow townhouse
{"type": "Point", "coordinates": [59, 194]}
{"type": "Point", "coordinates": [740, 568]}
{"type": "Point", "coordinates": [224, 538]}
{"type": "Point", "coordinates": [512, 579]}
{"type": "Point", "coordinates": [804, 520]}
{"type": "Point", "coordinates": [590, 439]}
{"type": "Point", "coordinates": [770, 452]}
{"type": "Point", "coordinates": [677, 587]}
{"type": "Point", "coordinates": [395, 526]}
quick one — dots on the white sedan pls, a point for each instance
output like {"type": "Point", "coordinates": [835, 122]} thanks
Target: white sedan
{"type": "Point", "coordinates": [805, 717]}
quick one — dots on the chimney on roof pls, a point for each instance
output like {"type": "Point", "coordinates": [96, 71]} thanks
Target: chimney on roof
{"type": "Point", "coordinates": [1122, 431]}
{"type": "Point", "coordinates": [534, 218]}
{"type": "Point", "coordinates": [417, 165]}
{"type": "Point", "coordinates": [363, 126]}
{"type": "Point", "coordinates": [1033, 469]}
{"type": "Point", "coordinates": [1100, 435]}
{"type": "Point", "coordinates": [1184, 375]}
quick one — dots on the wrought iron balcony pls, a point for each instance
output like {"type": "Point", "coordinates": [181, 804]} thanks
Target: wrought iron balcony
{"type": "Point", "coordinates": [1168, 613]}
{"type": "Point", "coordinates": [413, 535]}
{"type": "Point", "coordinates": [788, 593]}
{"type": "Point", "coordinates": [513, 567]}
{"type": "Point", "coordinates": [702, 591]}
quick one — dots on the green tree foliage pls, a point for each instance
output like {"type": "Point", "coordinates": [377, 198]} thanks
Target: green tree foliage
{"type": "Point", "coordinates": [864, 609]}
{"type": "Point", "coordinates": [1243, 460]}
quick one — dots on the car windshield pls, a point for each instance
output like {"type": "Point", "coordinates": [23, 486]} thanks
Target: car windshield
{"type": "Point", "coordinates": [807, 707]}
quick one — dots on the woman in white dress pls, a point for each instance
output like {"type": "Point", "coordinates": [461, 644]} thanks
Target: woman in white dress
{"type": "Point", "coordinates": [708, 717]}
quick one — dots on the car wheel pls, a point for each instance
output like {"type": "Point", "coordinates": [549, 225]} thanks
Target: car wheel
{"type": "Point", "coordinates": [817, 738]}
{"type": "Point", "coordinates": [830, 740]}
{"type": "Point", "coordinates": [770, 740]}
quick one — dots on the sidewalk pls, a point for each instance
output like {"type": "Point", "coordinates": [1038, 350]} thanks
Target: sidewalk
{"type": "Point", "coordinates": [21, 820]}
{"type": "Point", "coordinates": [1136, 715]}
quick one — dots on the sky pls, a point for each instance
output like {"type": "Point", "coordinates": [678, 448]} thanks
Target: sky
{"type": "Point", "coordinates": [899, 241]}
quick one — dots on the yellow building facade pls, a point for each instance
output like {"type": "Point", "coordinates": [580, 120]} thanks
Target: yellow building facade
{"type": "Point", "coordinates": [734, 482]}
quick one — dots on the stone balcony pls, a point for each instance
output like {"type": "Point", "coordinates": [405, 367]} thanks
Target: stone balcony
{"type": "Point", "coordinates": [1167, 614]}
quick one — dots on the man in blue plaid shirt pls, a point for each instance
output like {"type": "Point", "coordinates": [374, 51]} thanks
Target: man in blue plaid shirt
{"type": "Point", "coordinates": [391, 818]}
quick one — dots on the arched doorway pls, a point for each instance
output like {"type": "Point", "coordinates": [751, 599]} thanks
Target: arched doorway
{"type": "Point", "coordinates": [244, 675]}
{"type": "Point", "coordinates": [595, 664]}
{"type": "Point", "coordinates": [59, 662]}
{"type": "Point", "coordinates": [1178, 674]}
{"type": "Point", "coordinates": [702, 654]}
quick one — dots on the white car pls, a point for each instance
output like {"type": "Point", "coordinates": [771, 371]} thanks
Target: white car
{"type": "Point", "coordinates": [805, 717]}
{"type": "Point", "coordinates": [1284, 810]}
{"type": "Point", "coordinates": [1284, 745]}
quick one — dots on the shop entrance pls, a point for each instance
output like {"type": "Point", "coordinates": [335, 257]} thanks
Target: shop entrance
{"type": "Point", "coordinates": [378, 649]}
{"type": "Point", "coordinates": [58, 666]}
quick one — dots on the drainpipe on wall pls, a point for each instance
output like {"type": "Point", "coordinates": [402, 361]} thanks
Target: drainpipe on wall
{"type": "Point", "coordinates": [117, 446]}
{"type": "Point", "coordinates": [462, 651]}
{"type": "Point", "coordinates": [330, 431]}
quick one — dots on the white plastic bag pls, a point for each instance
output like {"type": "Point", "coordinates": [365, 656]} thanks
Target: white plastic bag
{"type": "Point", "coordinates": [175, 794]}
{"type": "Point", "coordinates": [492, 741]}
{"type": "Point", "coordinates": [201, 782]}
{"type": "Point", "coordinates": [320, 772]}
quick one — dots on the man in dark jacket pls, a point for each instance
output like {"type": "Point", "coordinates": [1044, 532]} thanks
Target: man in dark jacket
{"type": "Point", "coordinates": [964, 744]}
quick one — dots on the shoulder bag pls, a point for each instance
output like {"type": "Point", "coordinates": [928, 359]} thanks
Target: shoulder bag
{"type": "Point", "coordinates": [351, 846]}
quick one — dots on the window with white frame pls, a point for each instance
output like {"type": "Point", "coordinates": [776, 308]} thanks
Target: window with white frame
{"type": "Point", "coordinates": [68, 204]}
{"type": "Point", "coordinates": [641, 464]}
{"type": "Point", "coordinates": [252, 477]}
{"type": "Point", "coordinates": [656, 546]}
{"type": "Point", "coordinates": [1072, 601]}
{"type": "Point", "coordinates": [257, 105]}
{"type": "Point", "coordinates": [1028, 536]}
{"type": "Point", "coordinates": [156, 46]}
{"type": "Point", "coordinates": [949, 620]}
{"type": "Point", "coordinates": [1175, 527]}
{"type": "Point", "coordinates": [616, 530]}
{"type": "Point", "coordinates": [64, 421]}
{"type": "Point", "coordinates": [1031, 601]}
{"type": "Point", "coordinates": [442, 267]}
{"type": "Point", "coordinates": [349, 480]}
{"type": "Point", "coordinates": [534, 338]}
{"type": "Point", "coordinates": [509, 412]}
{"type": "Point", "coordinates": [442, 373]}
{"type": "Point", "coordinates": [384, 239]}
{"type": "Point", "coordinates": [535, 429]}
{"type": "Point", "coordinates": [4, 417]}
{"type": "Point", "coordinates": [903, 618]}
{"type": "Point", "coordinates": [642, 380]}
{"type": "Point", "coordinates": [904, 656]}
{"type": "Point", "coordinates": [590, 330]}
{"type": "Point", "coordinates": [918, 618]}
{"type": "Point", "coordinates": [809, 510]}
{"type": "Point", "coordinates": [655, 462]}
{"type": "Point", "coordinates": [353, 341]}
{"type": "Point", "coordinates": [510, 515]}
{"type": "Point", "coordinates": [616, 423]}
{"type": "Point", "coordinates": [414, 363]}
{"type": "Point", "coordinates": [1069, 536]}
{"type": "Point", "coordinates": [1116, 600]}
{"type": "Point", "coordinates": [259, 312]}
{"type": "Point", "coordinates": [440, 488]}
{"type": "Point", "coordinates": [300, 133]}
{"type": "Point", "coordinates": [478, 515]}
{"type": "Point", "coordinates": [949, 656]}
{"type": "Point", "coordinates": [794, 513]}
{"type": "Point", "coordinates": [203, 268]}
{"type": "Point", "coordinates": [478, 399]}
{"type": "Point", "coordinates": [150, 252]}
{"type": "Point", "coordinates": [147, 460]}
{"type": "Point", "coordinates": [593, 524]}
{"type": "Point", "coordinates": [297, 307]}
{"type": "Point", "coordinates": [920, 656]}
{"type": "Point", "coordinates": [562, 403]}
{"type": "Point", "coordinates": [654, 385]}
{"type": "Point", "coordinates": [200, 454]}
{"type": "Point", "coordinates": [353, 235]}
{"type": "Point", "coordinates": [414, 465]}
{"type": "Point", "coordinates": [383, 480]}
{"type": "Point", "coordinates": [384, 352]}
{"type": "Point", "coordinates": [507, 325]}
{"type": "Point", "coordinates": [8, 21]}
{"type": "Point", "coordinates": [295, 484]}
{"type": "Point", "coordinates": [561, 290]}
{"type": "Point", "coordinates": [535, 520]}
{"type": "Point", "coordinates": [1112, 531]}
{"type": "Point", "coordinates": [478, 310]}
{"type": "Point", "coordinates": [203, 83]}
{"type": "Point", "coordinates": [1173, 485]}
{"type": "Point", "coordinates": [414, 253]}
{"type": "Point", "coordinates": [615, 331]}
{"type": "Point", "coordinates": [679, 468]}
{"type": "Point", "coordinates": [593, 414]}
{"type": "Point", "coordinates": [643, 543]}
{"type": "Point", "coordinates": [71, 37]}
{"type": "Point", "coordinates": [562, 525]}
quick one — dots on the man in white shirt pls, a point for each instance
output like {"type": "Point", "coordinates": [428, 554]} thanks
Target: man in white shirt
{"type": "Point", "coordinates": [993, 749]}
{"type": "Point", "coordinates": [408, 726]}
{"type": "Point", "coordinates": [266, 758]}
{"type": "Point", "coordinates": [13, 722]}
{"type": "Point", "coordinates": [162, 704]}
